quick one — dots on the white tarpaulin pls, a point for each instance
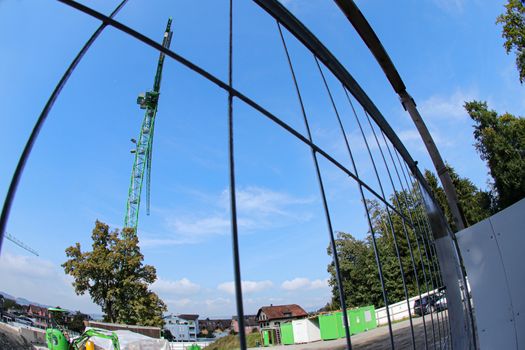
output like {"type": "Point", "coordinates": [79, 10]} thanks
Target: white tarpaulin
{"type": "Point", "coordinates": [130, 341]}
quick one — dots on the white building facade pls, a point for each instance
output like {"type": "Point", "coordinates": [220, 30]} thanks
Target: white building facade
{"type": "Point", "coordinates": [182, 327]}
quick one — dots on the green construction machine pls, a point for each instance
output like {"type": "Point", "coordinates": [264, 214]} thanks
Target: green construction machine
{"type": "Point", "coordinates": [58, 338]}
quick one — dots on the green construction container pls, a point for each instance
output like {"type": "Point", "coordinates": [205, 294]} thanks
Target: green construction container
{"type": "Point", "coordinates": [369, 315]}
{"type": "Point", "coordinates": [287, 333]}
{"type": "Point", "coordinates": [331, 326]}
{"type": "Point", "coordinates": [357, 321]}
{"type": "Point", "coordinates": [194, 347]}
{"type": "Point", "coordinates": [269, 337]}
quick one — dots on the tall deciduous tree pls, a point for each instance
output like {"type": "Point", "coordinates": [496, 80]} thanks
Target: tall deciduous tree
{"type": "Point", "coordinates": [475, 203]}
{"type": "Point", "coordinates": [357, 261]}
{"type": "Point", "coordinates": [513, 21]}
{"type": "Point", "coordinates": [114, 275]}
{"type": "Point", "coordinates": [500, 140]}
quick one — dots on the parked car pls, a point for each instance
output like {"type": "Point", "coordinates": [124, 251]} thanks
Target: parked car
{"type": "Point", "coordinates": [441, 303]}
{"type": "Point", "coordinates": [25, 321]}
{"type": "Point", "coordinates": [425, 305]}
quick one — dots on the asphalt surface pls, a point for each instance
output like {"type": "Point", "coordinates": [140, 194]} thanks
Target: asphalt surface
{"type": "Point", "coordinates": [379, 338]}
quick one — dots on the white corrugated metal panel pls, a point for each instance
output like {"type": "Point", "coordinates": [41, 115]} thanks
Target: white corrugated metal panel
{"type": "Point", "coordinates": [306, 330]}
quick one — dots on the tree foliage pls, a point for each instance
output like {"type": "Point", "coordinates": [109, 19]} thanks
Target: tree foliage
{"type": "Point", "coordinates": [357, 257]}
{"type": "Point", "coordinates": [513, 21]}
{"type": "Point", "coordinates": [114, 275]}
{"type": "Point", "coordinates": [475, 203]}
{"type": "Point", "coordinates": [500, 140]}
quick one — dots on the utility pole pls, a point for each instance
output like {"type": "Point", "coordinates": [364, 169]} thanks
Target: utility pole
{"type": "Point", "coordinates": [365, 31]}
{"type": "Point", "coordinates": [450, 191]}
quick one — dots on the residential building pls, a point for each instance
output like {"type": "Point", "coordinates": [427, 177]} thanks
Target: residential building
{"type": "Point", "coordinates": [39, 314]}
{"type": "Point", "coordinates": [272, 316]}
{"type": "Point", "coordinates": [250, 323]}
{"type": "Point", "coordinates": [183, 327]}
{"type": "Point", "coordinates": [208, 326]}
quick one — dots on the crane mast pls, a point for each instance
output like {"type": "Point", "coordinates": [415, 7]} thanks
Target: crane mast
{"type": "Point", "coordinates": [144, 144]}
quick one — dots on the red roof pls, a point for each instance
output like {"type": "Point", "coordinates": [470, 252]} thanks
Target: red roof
{"type": "Point", "coordinates": [282, 311]}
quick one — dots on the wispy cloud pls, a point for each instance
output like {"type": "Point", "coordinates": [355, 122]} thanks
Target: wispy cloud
{"type": "Point", "coordinates": [179, 287]}
{"type": "Point", "coordinates": [304, 283]}
{"type": "Point", "coordinates": [258, 208]}
{"type": "Point", "coordinates": [447, 107]}
{"type": "Point", "coordinates": [41, 281]}
{"type": "Point", "coordinates": [451, 6]}
{"type": "Point", "coordinates": [247, 286]}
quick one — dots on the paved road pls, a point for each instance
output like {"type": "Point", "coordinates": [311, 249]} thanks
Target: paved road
{"type": "Point", "coordinates": [379, 339]}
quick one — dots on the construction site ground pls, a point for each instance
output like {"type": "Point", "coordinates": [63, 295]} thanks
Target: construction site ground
{"type": "Point", "coordinates": [379, 339]}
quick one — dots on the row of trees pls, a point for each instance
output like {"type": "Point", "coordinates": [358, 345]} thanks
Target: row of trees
{"type": "Point", "coordinates": [397, 245]}
{"type": "Point", "coordinates": [500, 142]}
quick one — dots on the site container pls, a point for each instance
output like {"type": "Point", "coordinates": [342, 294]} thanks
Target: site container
{"type": "Point", "coordinates": [356, 321]}
{"type": "Point", "coordinates": [306, 330]}
{"type": "Point", "coordinates": [269, 337]}
{"type": "Point", "coordinates": [287, 333]}
{"type": "Point", "coordinates": [369, 315]}
{"type": "Point", "coordinates": [331, 326]}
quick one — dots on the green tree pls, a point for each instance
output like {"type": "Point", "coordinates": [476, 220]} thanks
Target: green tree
{"type": "Point", "coordinates": [114, 275]}
{"type": "Point", "coordinates": [357, 262]}
{"type": "Point", "coordinates": [500, 140]}
{"type": "Point", "coordinates": [359, 275]}
{"type": "Point", "coordinates": [76, 322]}
{"type": "Point", "coordinates": [513, 21]}
{"type": "Point", "coordinates": [475, 203]}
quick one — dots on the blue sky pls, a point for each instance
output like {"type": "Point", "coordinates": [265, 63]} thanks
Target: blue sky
{"type": "Point", "coordinates": [447, 51]}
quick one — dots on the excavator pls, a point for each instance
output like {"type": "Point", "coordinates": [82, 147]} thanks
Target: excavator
{"type": "Point", "coordinates": [58, 338]}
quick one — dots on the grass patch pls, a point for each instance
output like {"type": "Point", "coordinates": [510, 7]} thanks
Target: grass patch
{"type": "Point", "coordinates": [231, 342]}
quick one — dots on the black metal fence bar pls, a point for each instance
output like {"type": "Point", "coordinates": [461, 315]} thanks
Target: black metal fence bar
{"type": "Point", "coordinates": [365, 204]}
{"type": "Point", "coordinates": [320, 53]}
{"type": "Point", "coordinates": [405, 231]}
{"type": "Point", "coordinates": [427, 236]}
{"type": "Point", "coordinates": [233, 199]}
{"type": "Point", "coordinates": [427, 232]}
{"type": "Point", "coordinates": [417, 228]}
{"type": "Point", "coordinates": [392, 230]}
{"type": "Point", "coordinates": [323, 194]}
{"type": "Point", "coordinates": [406, 191]}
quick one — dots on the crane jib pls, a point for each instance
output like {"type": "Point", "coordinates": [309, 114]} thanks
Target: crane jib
{"type": "Point", "coordinates": [144, 144]}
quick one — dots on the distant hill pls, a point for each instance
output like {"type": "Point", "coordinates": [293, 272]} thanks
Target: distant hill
{"type": "Point", "coordinates": [22, 301]}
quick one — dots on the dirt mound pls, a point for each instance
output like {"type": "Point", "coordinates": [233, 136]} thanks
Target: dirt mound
{"type": "Point", "coordinates": [9, 341]}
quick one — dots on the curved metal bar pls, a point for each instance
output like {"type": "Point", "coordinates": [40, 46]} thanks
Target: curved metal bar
{"type": "Point", "coordinates": [365, 204]}
{"type": "Point", "coordinates": [6, 209]}
{"type": "Point", "coordinates": [333, 245]}
{"type": "Point", "coordinates": [389, 217]}
{"type": "Point", "coordinates": [233, 198]}
{"type": "Point", "coordinates": [312, 43]}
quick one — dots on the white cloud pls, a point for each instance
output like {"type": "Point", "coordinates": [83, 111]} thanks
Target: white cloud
{"type": "Point", "coordinates": [264, 202]}
{"type": "Point", "coordinates": [451, 6]}
{"type": "Point", "coordinates": [177, 304]}
{"type": "Point", "coordinates": [217, 302]}
{"type": "Point", "coordinates": [180, 287]}
{"type": "Point", "coordinates": [304, 283]}
{"type": "Point", "coordinates": [247, 286]}
{"type": "Point", "coordinates": [258, 208]}
{"type": "Point", "coordinates": [439, 107]}
{"type": "Point", "coordinates": [41, 281]}
{"type": "Point", "coordinates": [192, 226]}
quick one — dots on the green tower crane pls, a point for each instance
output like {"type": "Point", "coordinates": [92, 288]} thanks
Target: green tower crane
{"type": "Point", "coordinates": [144, 144]}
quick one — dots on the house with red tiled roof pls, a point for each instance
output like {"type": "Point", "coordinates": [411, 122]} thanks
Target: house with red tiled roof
{"type": "Point", "coordinates": [273, 315]}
